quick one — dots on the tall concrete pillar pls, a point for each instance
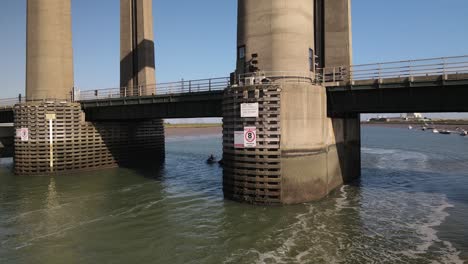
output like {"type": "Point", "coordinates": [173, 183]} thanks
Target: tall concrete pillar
{"type": "Point", "coordinates": [137, 63]}
{"type": "Point", "coordinates": [50, 127]}
{"type": "Point", "coordinates": [280, 32]}
{"type": "Point", "coordinates": [337, 52]}
{"type": "Point", "coordinates": [298, 155]}
{"type": "Point", "coordinates": [337, 33]}
{"type": "Point", "coordinates": [49, 59]}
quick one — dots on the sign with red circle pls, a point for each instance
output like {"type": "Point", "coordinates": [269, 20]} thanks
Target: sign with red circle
{"type": "Point", "coordinates": [23, 134]}
{"type": "Point", "coordinates": [250, 137]}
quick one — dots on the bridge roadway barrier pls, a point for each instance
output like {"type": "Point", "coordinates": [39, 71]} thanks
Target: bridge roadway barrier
{"type": "Point", "coordinates": [57, 139]}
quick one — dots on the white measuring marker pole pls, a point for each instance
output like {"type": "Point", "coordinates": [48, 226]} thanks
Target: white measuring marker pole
{"type": "Point", "coordinates": [51, 117]}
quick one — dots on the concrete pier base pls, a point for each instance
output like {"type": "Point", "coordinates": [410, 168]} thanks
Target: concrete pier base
{"type": "Point", "coordinates": [59, 140]}
{"type": "Point", "coordinates": [312, 176]}
{"type": "Point", "coordinates": [301, 155]}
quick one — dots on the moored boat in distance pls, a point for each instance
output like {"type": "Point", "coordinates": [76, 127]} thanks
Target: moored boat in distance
{"type": "Point", "coordinates": [464, 133]}
{"type": "Point", "coordinates": [445, 132]}
{"type": "Point", "coordinates": [435, 131]}
{"type": "Point", "coordinates": [410, 127]}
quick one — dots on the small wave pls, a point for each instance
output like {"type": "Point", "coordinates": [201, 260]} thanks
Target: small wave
{"type": "Point", "coordinates": [60, 231]}
{"type": "Point", "coordinates": [378, 151]}
{"type": "Point", "coordinates": [43, 210]}
{"type": "Point", "coordinates": [137, 208]}
{"type": "Point", "coordinates": [342, 201]}
{"type": "Point", "coordinates": [70, 226]}
{"type": "Point", "coordinates": [401, 159]}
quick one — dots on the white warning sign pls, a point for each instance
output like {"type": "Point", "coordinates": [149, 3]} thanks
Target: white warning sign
{"type": "Point", "coordinates": [23, 134]}
{"type": "Point", "coordinates": [250, 137]}
{"type": "Point", "coordinates": [249, 110]}
{"type": "Point", "coordinates": [238, 139]}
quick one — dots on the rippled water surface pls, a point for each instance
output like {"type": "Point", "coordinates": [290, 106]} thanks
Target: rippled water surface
{"type": "Point", "coordinates": [410, 206]}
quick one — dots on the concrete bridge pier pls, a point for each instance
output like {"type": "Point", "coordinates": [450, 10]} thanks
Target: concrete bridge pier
{"type": "Point", "coordinates": [301, 154]}
{"type": "Point", "coordinates": [336, 34]}
{"type": "Point", "coordinates": [137, 63]}
{"type": "Point", "coordinates": [52, 135]}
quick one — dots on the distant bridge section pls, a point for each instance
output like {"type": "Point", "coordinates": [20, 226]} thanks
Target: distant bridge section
{"type": "Point", "coordinates": [6, 140]}
{"type": "Point", "coordinates": [428, 85]}
{"type": "Point", "coordinates": [6, 109]}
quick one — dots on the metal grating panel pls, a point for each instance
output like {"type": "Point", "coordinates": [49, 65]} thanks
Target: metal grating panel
{"type": "Point", "coordinates": [79, 145]}
{"type": "Point", "coordinates": [253, 174]}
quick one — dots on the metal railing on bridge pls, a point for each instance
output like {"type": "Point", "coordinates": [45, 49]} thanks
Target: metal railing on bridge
{"type": "Point", "coordinates": [264, 77]}
{"type": "Point", "coordinates": [445, 66]}
{"type": "Point", "coordinates": [9, 102]}
{"type": "Point", "coordinates": [168, 88]}
{"type": "Point", "coordinates": [449, 67]}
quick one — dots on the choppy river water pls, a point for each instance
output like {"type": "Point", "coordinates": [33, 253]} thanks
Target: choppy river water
{"type": "Point", "coordinates": [410, 206]}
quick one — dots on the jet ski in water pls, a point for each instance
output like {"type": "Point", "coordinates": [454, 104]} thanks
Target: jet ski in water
{"type": "Point", "coordinates": [211, 160]}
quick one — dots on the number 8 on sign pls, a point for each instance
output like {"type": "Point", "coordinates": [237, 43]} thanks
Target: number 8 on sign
{"type": "Point", "coordinates": [250, 136]}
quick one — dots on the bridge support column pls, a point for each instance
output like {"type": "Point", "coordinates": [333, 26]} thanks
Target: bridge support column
{"type": "Point", "coordinates": [52, 134]}
{"type": "Point", "coordinates": [137, 64]}
{"type": "Point", "coordinates": [337, 52]}
{"type": "Point", "coordinates": [49, 59]}
{"type": "Point", "coordinates": [58, 140]}
{"type": "Point", "coordinates": [301, 154]}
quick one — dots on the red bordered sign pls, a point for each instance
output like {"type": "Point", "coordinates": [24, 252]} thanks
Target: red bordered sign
{"type": "Point", "coordinates": [239, 139]}
{"type": "Point", "coordinates": [23, 134]}
{"type": "Point", "coordinates": [250, 137]}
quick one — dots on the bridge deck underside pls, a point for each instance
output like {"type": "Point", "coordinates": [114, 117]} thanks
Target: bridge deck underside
{"type": "Point", "coordinates": [6, 115]}
{"type": "Point", "coordinates": [399, 95]}
{"type": "Point", "coordinates": [192, 105]}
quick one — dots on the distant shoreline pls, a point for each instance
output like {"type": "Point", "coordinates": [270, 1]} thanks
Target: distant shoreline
{"type": "Point", "coordinates": [193, 130]}
{"type": "Point", "coordinates": [416, 125]}
{"type": "Point", "coordinates": [416, 122]}
{"type": "Point", "coordinates": [178, 130]}
{"type": "Point", "coordinates": [198, 125]}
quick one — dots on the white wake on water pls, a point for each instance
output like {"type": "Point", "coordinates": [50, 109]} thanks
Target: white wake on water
{"type": "Point", "coordinates": [361, 225]}
{"type": "Point", "coordinates": [397, 158]}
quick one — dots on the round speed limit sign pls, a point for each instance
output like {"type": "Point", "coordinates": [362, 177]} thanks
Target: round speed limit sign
{"type": "Point", "coordinates": [250, 137]}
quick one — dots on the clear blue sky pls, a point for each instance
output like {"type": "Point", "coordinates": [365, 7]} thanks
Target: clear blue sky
{"type": "Point", "coordinates": [197, 39]}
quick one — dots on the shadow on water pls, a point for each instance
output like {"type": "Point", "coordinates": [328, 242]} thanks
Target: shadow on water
{"type": "Point", "coordinates": [152, 170]}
